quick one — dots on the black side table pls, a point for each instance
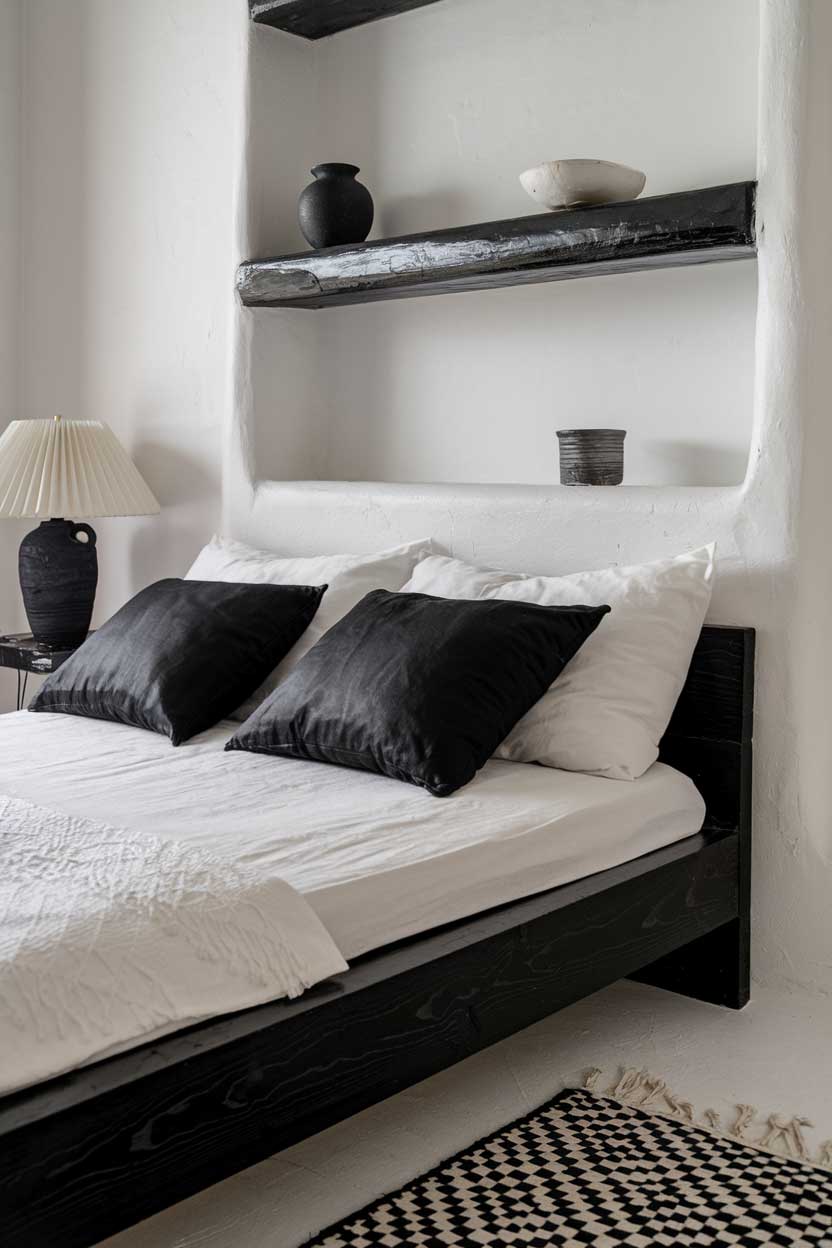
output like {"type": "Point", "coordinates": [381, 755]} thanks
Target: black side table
{"type": "Point", "coordinates": [22, 652]}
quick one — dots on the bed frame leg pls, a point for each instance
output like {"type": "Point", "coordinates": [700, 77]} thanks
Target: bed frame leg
{"type": "Point", "coordinates": [714, 968]}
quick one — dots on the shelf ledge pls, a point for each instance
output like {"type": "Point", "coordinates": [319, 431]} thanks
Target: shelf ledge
{"type": "Point", "coordinates": [314, 19]}
{"type": "Point", "coordinates": [665, 231]}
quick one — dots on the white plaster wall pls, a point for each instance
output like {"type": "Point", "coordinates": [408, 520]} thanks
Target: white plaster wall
{"type": "Point", "coordinates": [9, 207]}
{"type": "Point", "coordinates": [132, 128]}
{"type": "Point", "coordinates": [807, 831]}
{"type": "Point", "coordinates": [442, 108]}
{"type": "Point", "coordinates": [10, 617]}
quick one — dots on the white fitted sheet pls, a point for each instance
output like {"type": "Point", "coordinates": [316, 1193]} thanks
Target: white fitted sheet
{"type": "Point", "coordinates": [377, 859]}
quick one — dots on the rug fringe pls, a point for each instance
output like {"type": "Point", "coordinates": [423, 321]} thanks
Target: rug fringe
{"type": "Point", "coordinates": [778, 1135]}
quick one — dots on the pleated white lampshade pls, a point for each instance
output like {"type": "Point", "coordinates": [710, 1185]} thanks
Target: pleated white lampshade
{"type": "Point", "coordinates": [77, 468]}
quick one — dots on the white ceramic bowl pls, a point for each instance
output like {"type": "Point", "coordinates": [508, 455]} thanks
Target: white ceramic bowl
{"type": "Point", "coordinates": [560, 184]}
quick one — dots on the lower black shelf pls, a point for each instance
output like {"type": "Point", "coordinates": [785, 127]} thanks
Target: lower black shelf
{"type": "Point", "coordinates": [665, 231]}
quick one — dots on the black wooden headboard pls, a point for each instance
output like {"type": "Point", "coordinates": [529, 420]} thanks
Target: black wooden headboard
{"type": "Point", "coordinates": [709, 737]}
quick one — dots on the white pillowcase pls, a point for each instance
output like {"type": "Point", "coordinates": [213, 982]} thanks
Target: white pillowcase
{"type": "Point", "coordinates": [349, 578]}
{"type": "Point", "coordinates": [609, 708]}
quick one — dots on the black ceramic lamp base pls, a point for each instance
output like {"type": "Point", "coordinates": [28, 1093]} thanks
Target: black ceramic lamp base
{"type": "Point", "coordinates": [58, 578]}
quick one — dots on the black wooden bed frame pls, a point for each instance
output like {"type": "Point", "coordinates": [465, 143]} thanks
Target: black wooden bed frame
{"type": "Point", "coordinates": [92, 1152]}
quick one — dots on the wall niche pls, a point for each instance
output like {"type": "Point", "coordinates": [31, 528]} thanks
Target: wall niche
{"type": "Point", "coordinates": [442, 108]}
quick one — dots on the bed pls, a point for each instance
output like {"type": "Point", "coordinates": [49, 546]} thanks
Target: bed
{"type": "Point", "coordinates": [552, 887]}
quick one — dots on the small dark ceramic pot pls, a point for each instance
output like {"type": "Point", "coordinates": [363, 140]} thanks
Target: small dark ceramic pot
{"type": "Point", "coordinates": [58, 568]}
{"type": "Point", "coordinates": [335, 209]}
{"type": "Point", "coordinates": [591, 456]}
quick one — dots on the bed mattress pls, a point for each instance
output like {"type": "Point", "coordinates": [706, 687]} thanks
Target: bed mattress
{"type": "Point", "coordinates": [378, 860]}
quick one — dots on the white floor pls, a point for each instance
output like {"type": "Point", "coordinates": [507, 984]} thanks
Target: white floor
{"type": "Point", "coordinates": [775, 1054]}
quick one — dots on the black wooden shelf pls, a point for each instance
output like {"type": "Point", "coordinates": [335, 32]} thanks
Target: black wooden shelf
{"type": "Point", "coordinates": [316, 18]}
{"type": "Point", "coordinates": [665, 231]}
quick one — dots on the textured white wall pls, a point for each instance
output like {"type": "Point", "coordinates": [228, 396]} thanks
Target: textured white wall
{"type": "Point", "coordinates": [806, 830]}
{"type": "Point", "coordinates": [10, 606]}
{"type": "Point", "coordinates": [9, 207]}
{"type": "Point", "coordinates": [132, 126]}
{"type": "Point", "coordinates": [442, 109]}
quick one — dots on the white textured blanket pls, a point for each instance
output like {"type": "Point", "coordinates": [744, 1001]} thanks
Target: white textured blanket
{"type": "Point", "coordinates": [109, 937]}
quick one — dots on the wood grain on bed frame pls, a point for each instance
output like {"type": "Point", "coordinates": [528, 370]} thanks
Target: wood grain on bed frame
{"type": "Point", "coordinates": [90, 1153]}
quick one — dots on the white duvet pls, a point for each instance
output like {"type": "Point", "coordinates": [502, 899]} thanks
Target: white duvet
{"type": "Point", "coordinates": [378, 860]}
{"type": "Point", "coordinates": [108, 936]}
{"type": "Point", "coordinates": [148, 883]}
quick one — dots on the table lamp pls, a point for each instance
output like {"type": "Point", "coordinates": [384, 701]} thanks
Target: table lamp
{"type": "Point", "coordinates": [57, 468]}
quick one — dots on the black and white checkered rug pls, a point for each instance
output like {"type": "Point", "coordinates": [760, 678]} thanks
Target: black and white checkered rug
{"type": "Point", "coordinates": [587, 1170]}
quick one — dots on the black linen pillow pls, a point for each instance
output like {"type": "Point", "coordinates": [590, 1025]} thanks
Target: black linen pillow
{"type": "Point", "coordinates": [418, 688]}
{"type": "Point", "coordinates": [181, 655]}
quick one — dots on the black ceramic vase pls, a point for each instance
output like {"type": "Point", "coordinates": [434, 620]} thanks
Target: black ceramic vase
{"type": "Point", "coordinates": [335, 209]}
{"type": "Point", "coordinates": [58, 578]}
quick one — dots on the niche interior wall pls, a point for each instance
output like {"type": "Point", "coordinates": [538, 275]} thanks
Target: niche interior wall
{"type": "Point", "coordinates": [442, 108]}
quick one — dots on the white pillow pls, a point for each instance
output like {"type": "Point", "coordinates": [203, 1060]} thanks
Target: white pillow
{"type": "Point", "coordinates": [349, 578]}
{"type": "Point", "coordinates": [609, 708]}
